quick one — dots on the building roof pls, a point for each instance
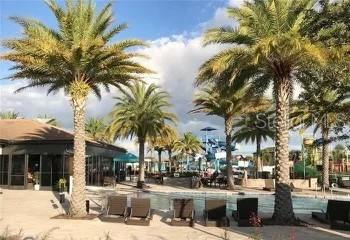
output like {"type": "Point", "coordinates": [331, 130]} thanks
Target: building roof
{"type": "Point", "coordinates": [26, 130]}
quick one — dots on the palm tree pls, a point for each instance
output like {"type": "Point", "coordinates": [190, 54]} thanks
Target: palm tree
{"type": "Point", "coordinates": [255, 127]}
{"type": "Point", "coordinates": [323, 105]}
{"type": "Point", "coordinates": [227, 103]}
{"type": "Point", "coordinates": [267, 46]}
{"type": "Point", "coordinates": [164, 142]}
{"type": "Point", "coordinates": [188, 146]}
{"type": "Point", "coordinates": [9, 115]}
{"type": "Point", "coordinates": [142, 111]}
{"type": "Point", "coordinates": [169, 142]}
{"type": "Point", "coordinates": [95, 128]}
{"type": "Point", "coordinates": [157, 144]}
{"type": "Point", "coordinates": [80, 58]}
{"type": "Point", "coordinates": [48, 119]}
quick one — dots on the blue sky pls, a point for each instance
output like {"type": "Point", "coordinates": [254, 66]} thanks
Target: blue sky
{"type": "Point", "coordinates": [147, 19]}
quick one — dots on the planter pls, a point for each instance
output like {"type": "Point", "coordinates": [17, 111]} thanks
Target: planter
{"type": "Point", "coordinates": [36, 187]}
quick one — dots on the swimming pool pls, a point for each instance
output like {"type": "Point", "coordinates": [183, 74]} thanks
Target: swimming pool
{"type": "Point", "coordinates": [305, 205]}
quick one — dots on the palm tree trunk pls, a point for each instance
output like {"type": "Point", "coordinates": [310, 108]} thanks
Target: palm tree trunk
{"type": "Point", "coordinates": [188, 162]}
{"type": "Point", "coordinates": [77, 204]}
{"type": "Point", "coordinates": [170, 160]}
{"type": "Point", "coordinates": [258, 154]}
{"type": "Point", "coordinates": [325, 153]}
{"type": "Point", "coordinates": [228, 133]}
{"type": "Point", "coordinates": [159, 161]}
{"type": "Point", "coordinates": [283, 210]}
{"type": "Point", "coordinates": [141, 179]}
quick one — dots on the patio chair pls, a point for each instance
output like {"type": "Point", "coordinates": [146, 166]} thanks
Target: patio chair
{"type": "Point", "coordinates": [215, 213]}
{"type": "Point", "coordinates": [183, 213]}
{"type": "Point", "coordinates": [116, 210]}
{"type": "Point", "coordinates": [140, 212]}
{"type": "Point", "coordinates": [337, 214]}
{"type": "Point", "coordinates": [247, 210]}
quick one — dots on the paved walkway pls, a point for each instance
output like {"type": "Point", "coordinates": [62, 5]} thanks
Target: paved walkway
{"type": "Point", "coordinates": [31, 213]}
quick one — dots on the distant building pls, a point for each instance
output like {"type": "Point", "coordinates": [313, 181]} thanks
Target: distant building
{"type": "Point", "coordinates": [31, 149]}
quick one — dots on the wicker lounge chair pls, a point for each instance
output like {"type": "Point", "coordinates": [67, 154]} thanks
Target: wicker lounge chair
{"type": "Point", "coordinates": [140, 212]}
{"type": "Point", "coordinates": [215, 213]}
{"type": "Point", "coordinates": [116, 210]}
{"type": "Point", "coordinates": [247, 209]}
{"type": "Point", "coordinates": [183, 214]}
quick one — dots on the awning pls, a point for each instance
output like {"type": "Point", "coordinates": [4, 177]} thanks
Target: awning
{"type": "Point", "coordinates": [126, 158]}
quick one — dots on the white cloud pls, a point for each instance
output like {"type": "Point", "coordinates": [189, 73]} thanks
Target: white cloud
{"type": "Point", "coordinates": [235, 3]}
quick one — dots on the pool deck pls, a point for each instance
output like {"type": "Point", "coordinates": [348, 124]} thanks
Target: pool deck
{"type": "Point", "coordinates": [31, 213]}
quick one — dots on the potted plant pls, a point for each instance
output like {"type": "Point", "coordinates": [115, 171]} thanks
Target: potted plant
{"type": "Point", "coordinates": [62, 185]}
{"type": "Point", "coordinates": [36, 181]}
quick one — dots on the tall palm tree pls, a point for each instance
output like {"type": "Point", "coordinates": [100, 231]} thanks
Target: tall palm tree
{"type": "Point", "coordinates": [142, 111]}
{"type": "Point", "coordinates": [80, 58]}
{"type": "Point", "coordinates": [189, 145]}
{"type": "Point", "coordinates": [9, 115]}
{"type": "Point", "coordinates": [255, 127]}
{"type": "Point", "coordinates": [267, 46]}
{"type": "Point", "coordinates": [96, 129]}
{"type": "Point", "coordinates": [323, 105]}
{"type": "Point", "coordinates": [227, 103]}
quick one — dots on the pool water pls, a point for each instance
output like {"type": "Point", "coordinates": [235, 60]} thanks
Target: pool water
{"type": "Point", "coordinates": [306, 205]}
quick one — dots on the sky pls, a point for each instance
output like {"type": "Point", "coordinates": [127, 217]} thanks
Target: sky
{"type": "Point", "coordinates": [173, 30]}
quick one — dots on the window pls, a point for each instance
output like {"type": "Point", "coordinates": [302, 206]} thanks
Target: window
{"type": "Point", "coordinates": [17, 170]}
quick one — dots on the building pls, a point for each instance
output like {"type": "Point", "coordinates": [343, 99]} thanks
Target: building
{"type": "Point", "coordinates": [31, 150]}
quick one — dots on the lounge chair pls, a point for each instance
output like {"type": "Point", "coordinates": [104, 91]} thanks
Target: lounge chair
{"type": "Point", "coordinates": [215, 213]}
{"type": "Point", "coordinates": [116, 210]}
{"type": "Point", "coordinates": [140, 212]}
{"type": "Point", "coordinates": [183, 214]}
{"type": "Point", "coordinates": [247, 208]}
{"type": "Point", "coordinates": [337, 214]}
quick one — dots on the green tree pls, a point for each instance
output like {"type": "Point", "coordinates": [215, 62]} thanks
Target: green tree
{"type": "Point", "coordinates": [48, 119]}
{"type": "Point", "coordinates": [267, 47]}
{"type": "Point", "coordinates": [329, 23]}
{"type": "Point", "coordinates": [255, 127]}
{"type": "Point", "coordinates": [268, 156]}
{"type": "Point", "coordinates": [339, 152]}
{"type": "Point", "coordinates": [169, 145]}
{"type": "Point", "coordinates": [96, 129]}
{"type": "Point", "coordinates": [323, 106]}
{"type": "Point", "coordinates": [164, 141]}
{"type": "Point", "coordinates": [77, 56]}
{"type": "Point", "coordinates": [141, 112]}
{"type": "Point", "coordinates": [9, 115]}
{"type": "Point", "coordinates": [189, 145]}
{"type": "Point", "coordinates": [227, 103]}
{"type": "Point", "coordinates": [156, 143]}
